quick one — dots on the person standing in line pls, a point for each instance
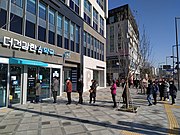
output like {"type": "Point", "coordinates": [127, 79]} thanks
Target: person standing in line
{"type": "Point", "coordinates": [113, 92]}
{"type": "Point", "coordinates": [55, 87]}
{"type": "Point", "coordinates": [149, 92]}
{"type": "Point", "coordinates": [155, 91]}
{"type": "Point", "coordinates": [93, 91]}
{"type": "Point", "coordinates": [80, 90]}
{"type": "Point", "coordinates": [173, 91]}
{"type": "Point", "coordinates": [161, 88]}
{"type": "Point", "coordinates": [165, 91]}
{"type": "Point", "coordinates": [38, 90]}
{"type": "Point", "coordinates": [68, 90]}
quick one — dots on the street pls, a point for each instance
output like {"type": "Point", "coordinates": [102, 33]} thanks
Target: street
{"type": "Point", "coordinates": [91, 119]}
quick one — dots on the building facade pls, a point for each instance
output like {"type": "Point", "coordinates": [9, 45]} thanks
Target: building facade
{"type": "Point", "coordinates": [40, 39]}
{"type": "Point", "coordinates": [122, 44]}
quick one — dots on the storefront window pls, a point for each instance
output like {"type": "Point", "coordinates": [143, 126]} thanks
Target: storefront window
{"type": "Point", "coordinates": [44, 76]}
{"type": "Point", "coordinates": [3, 84]}
{"type": "Point", "coordinates": [15, 84]}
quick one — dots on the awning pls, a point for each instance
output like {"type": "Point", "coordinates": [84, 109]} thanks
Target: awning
{"type": "Point", "coordinates": [27, 62]}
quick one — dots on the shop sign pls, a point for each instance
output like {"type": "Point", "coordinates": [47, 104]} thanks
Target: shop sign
{"type": "Point", "coordinates": [25, 46]}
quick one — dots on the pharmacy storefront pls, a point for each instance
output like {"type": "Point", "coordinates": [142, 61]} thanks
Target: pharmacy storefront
{"type": "Point", "coordinates": [18, 75]}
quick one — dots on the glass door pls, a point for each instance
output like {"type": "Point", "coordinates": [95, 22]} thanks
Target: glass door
{"type": "Point", "coordinates": [15, 84]}
{"type": "Point", "coordinates": [3, 84]}
{"type": "Point", "coordinates": [31, 81]}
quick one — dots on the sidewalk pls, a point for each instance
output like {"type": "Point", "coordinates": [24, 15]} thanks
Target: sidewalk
{"type": "Point", "coordinates": [91, 119]}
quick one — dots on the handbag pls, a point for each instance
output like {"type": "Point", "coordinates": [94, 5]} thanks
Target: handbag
{"type": "Point", "coordinates": [91, 90]}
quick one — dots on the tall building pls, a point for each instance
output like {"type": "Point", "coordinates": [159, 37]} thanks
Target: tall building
{"type": "Point", "coordinates": [122, 43]}
{"type": "Point", "coordinates": [41, 39]}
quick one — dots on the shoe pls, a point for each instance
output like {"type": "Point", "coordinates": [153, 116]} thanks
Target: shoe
{"type": "Point", "coordinates": [54, 102]}
{"type": "Point", "coordinates": [114, 106]}
{"type": "Point", "coordinates": [154, 103]}
{"type": "Point", "coordinates": [149, 104]}
{"type": "Point", "coordinates": [89, 102]}
{"type": "Point", "coordinates": [68, 103]}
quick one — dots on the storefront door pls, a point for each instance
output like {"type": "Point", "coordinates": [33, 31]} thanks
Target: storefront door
{"type": "Point", "coordinates": [15, 84]}
{"type": "Point", "coordinates": [3, 84]}
{"type": "Point", "coordinates": [31, 81]}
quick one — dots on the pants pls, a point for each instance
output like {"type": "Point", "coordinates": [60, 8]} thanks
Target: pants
{"type": "Point", "coordinates": [37, 99]}
{"type": "Point", "coordinates": [155, 98]}
{"type": "Point", "coordinates": [69, 97]}
{"type": "Point", "coordinates": [149, 99]}
{"type": "Point", "coordinates": [173, 99]}
{"type": "Point", "coordinates": [92, 95]}
{"type": "Point", "coordinates": [114, 99]}
{"type": "Point", "coordinates": [55, 96]}
{"type": "Point", "coordinates": [80, 98]}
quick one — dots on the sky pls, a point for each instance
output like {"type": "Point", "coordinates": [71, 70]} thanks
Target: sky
{"type": "Point", "coordinates": [158, 18]}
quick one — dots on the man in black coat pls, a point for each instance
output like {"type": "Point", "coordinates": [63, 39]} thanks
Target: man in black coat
{"type": "Point", "coordinates": [80, 90]}
{"type": "Point", "coordinates": [173, 91]}
{"type": "Point", "coordinates": [150, 92]}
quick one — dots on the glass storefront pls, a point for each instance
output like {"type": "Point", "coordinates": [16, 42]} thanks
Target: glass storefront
{"type": "Point", "coordinates": [44, 76]}
{"type": "Point", "coordinates": [15, 84]}
{"type": "Point", "coordinates": [3, 84]}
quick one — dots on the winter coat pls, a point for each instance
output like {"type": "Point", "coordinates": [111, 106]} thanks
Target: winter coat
{"type": "Point", "coordinates": [150, 89]}
{"type": "Point", "coordinates": [93, 86]}
{"type": "Point", "coordinates": [69, 87]}
{"type": "Point", "coordinates": [173, 90]}
{"type": "Point", "coordinates": [55, 85]}
{"type": "Point", "coordinates": [80, 86]}
{"type": "Point", "coordinates": [155, 89]}
{"type": "Point", "coordinates": [166, 89]}
{"type": "Point", "coordinates": [113, 89]}
{"type": "Point", "coordinates": [161, 89]}
{"type": "Point", "coordinates": [38, 89]}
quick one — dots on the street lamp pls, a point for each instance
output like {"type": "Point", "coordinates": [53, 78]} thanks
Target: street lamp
{"type": "Point", "coordinates": [177, 51]}
{"type": "Point", "coordinates": [167, 58]}
{"type": "Point", "coordinates": [159, 64]}
{"type": "Point", "coordinates": [173, 57]}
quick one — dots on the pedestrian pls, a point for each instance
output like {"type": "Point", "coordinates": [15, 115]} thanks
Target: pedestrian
{"type": "Point", "coordinates": [55, 88]}
{"type": "Point", "coordinates": [155, 91]}
{"type": "Point", "coordinates": [113, 93]}
{"type": "Point", "coordinates": [38, 91]}
{"type": "Point", "coordinates": [173, 91]}
{"type": "Point", "coordinates": [68, 90]}
{"type": "Point", "coordinates": [93, 91]}
{"type": "Point", "coordinates": [149, 92]}
{"type": "Point", "coordinates": [80, 90]}
{"type": "Point", "coordinates": [161, 89]}
{"type": "Point", "coordinates": [165, 90]}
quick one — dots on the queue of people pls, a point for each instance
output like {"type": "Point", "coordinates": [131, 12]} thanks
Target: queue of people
{"type": "Point", "coordinates": [163, 88]}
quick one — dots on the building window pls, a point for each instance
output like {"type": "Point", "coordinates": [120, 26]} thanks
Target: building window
{"type": "Point", "coordinates": [84, 50]}
{"type": "Point", "coordinates": [72, 36]}
{"type": "Point", "coordinates": [100, 3]}
{"type": "Point", "coordinates": [16, 24]}
{"type": "Point", "coordinates": [51, 37]}
{"type": "Point", "coordinates": [41, 34]}
{"type": "Point", "coordinates": [89, 52]}
{"type": "Point", "coordinates": [42, 11]}
{"type": "Point", "coordinates": [66, 34]}
{"type": "Point", "coordinates": [88, 38]}
{"type": "Point", "coordinates": [3, 15]}
{"type": "Point", "coordinates": [87, 11]}
{"type": "Point", "coordinates": [30, 29]}
{"type": "Point", "coordinates": [59, 31]}
{"type": "Point", "coordinates": [31, 6]}
{"type": "Point", "coordinates": [17, 2]}
{"type": "Point", "coordinates": [92, 53]}
{"type": "Point", "coordinates": [101, 26]}
{"type": "Point", "coordinates": [51, 16]}
{"type": "Point", "coordinates": [77, 39]}
{"type": "Point", "coordinates": [95, 19]}
{"type": "Point", "coordinates": [74, 5]}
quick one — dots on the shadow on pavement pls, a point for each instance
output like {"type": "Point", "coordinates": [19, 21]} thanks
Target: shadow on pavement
{"type": "Point", "coordinates": [121, 125]}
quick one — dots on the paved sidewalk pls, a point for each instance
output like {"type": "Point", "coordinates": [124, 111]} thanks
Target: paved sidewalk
{"type": "Point", "coordinates": [91, 119]}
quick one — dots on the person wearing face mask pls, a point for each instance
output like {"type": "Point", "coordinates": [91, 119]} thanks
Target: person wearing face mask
{"type": "Point", "coordinates": [173, 91]}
